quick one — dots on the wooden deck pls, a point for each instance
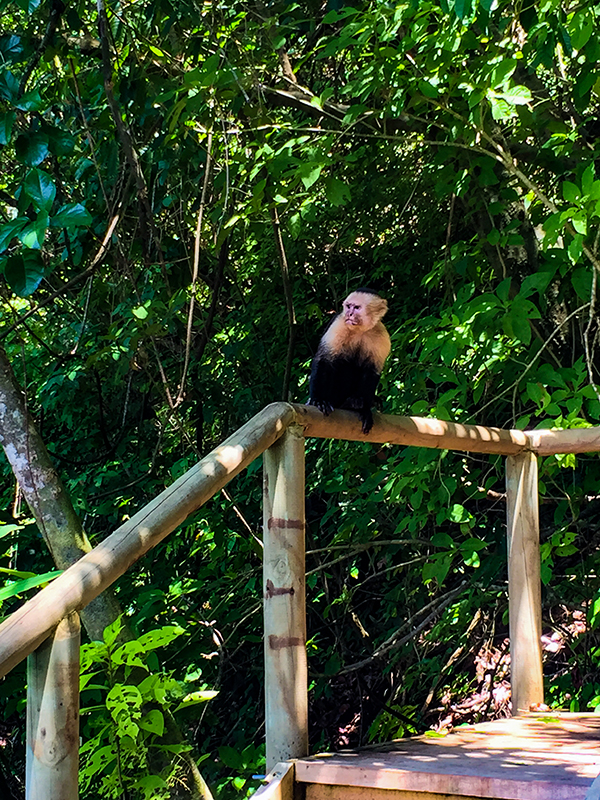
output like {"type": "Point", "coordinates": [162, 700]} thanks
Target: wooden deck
{"type": "Point", "coordinates": [531, 757]}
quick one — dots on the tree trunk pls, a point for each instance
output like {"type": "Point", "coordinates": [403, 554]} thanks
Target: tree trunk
{"type": "Point", "coordinates": [45, 494]}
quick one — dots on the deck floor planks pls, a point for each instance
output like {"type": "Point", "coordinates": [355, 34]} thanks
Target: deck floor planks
{"type": "Point", "coordinates": [532, 757]}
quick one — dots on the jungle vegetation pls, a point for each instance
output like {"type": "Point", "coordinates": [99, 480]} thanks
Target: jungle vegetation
{"type": "Point", "coordinates": [187, 192]}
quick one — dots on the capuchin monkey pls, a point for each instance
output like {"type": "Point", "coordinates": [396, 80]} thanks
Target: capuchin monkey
{"type": "Point", "coordinates": [346, 368]}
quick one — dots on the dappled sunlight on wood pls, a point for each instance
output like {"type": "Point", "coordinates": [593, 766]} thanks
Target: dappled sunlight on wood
{"type": "Point", "coordinates": [542, 757]}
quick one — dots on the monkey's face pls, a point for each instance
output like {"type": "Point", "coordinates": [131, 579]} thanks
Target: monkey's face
{"type": "Point", "coordinates": [354, 312]}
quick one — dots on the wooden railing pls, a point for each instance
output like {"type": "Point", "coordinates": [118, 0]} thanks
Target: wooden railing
{"type": "Point", "coordinates": [47, 626]}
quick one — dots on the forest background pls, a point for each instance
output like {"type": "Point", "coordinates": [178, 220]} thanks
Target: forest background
{"type": "Point", "coordinates": [187, 192]}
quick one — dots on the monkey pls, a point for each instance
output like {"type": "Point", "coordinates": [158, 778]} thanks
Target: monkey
{"type": "Point", "coordinates": [348, 363]}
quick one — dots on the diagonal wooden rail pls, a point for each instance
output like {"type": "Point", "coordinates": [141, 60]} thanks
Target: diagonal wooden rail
{"type": "Point", "coordinates": [285, 627]}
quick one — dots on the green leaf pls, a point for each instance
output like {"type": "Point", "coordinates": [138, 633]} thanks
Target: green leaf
{"type": "Point", "coordinates": [503, 290]}
{"type": "Point", "coordinates": [501, 72]}
{"type": "Point", "coordinates": [19, 587]}
{"type": "Point", "coordinates": [575, 248]}
{"type": "Point", "coordinates": [587, 180]}
{"type": "Point", "coordinates": [7, 120]}
{"type": "Point", "coordinates": [24, 272]}
{"type": "Point", "coordinates": [9, 86]}
{"type": "Point", "coordinates": [462, 8]}
{"type": "Point", "coordinates": [160, 637]}
{"type": "Point", "coordinates": [39, 186]}
{"type": "Point", "coordinates": [338, 193]}
{"type": "Point", "coordinates": [517, 96]}
{"type": "Point", "coordinates": [493, 236]}
{"type": "Point", "coordinates": [153, 722]}
{"type": "Point", "coordinates": [579, 222]}
{"type": "Point", "coordinates": [570, 192]}
{"type": "Point", "coordinates": [140, 312]}
{"type": "Point", "coordinates": [29, 6]}
{"type": "Point", "coordinates": [195, 698]}
{"type": "Point", "coordinates": [71, 215]}
{"type": "Point", "coordinates": [9, 230]}
{"type": "Point", "coordinates": [30, 101]}
{"type": "Point", "coordinates": [309, 173]}
{"type": "Point", "coordinates": [581, 27]}
{"type": "Point", "coordinates": [34, 234]}
{"type": "Point", "coordinates": [538, 282]}
{"type": "Point", "coordinates": [458, 513]}
{"type": "Point", "coordinates": [32, 149]}
{"type": "Point", "coordinates": [336, 16]}
{"type": "Point", "coordinates": [581, 280]}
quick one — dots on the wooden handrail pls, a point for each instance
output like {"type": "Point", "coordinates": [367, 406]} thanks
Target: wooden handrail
{"type": "Point", "coordinates": [27, 627]}
{"type": "Point", "coordinates": [413, 431]}
{"type": "Point", "coordinates": [442, 435]}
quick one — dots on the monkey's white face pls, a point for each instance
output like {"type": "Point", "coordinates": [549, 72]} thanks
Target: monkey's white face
{"type": "Point", "coordinates": [354, 312]}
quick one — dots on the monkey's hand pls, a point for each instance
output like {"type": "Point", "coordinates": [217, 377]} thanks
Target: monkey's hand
{"type": "Point", "coordinates": [323, 406]}
{"type": "Point", "coordinates": [367, 419]}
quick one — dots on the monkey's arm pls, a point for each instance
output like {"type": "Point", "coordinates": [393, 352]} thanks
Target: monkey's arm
{"type": "Point", "coordinates": [321, 378]}
{"type": "Point", "coordinates": [370, 379]}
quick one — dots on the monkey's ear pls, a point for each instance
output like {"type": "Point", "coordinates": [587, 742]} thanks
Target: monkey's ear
{"type": "Point", "coordinates": [379, 308]}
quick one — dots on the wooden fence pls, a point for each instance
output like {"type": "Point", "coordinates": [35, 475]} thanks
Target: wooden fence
{"type": "Point", "coordinates": [46, 628]}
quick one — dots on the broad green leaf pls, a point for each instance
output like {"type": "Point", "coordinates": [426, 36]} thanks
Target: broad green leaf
{"type": "Point", "coordinates": [9, 86]}
{"type": "Point", "coordinates": [587, 181]}
{"type": "Point", "coordinates": [30, 101]}
{"type": "Point", "coordinates": [7, 120]}
{"type": "Point", "coordinates": [575, 248]}
{"type": "Point", "coordinates": [538, 282]}
{"type": "Point", "coordinates": [153, 722]}
{"type": "Point", "coordinates": [70, 216]}
{"type": "Point", "coordinates": [34, 234]}
{"type": "Point", "coordinates": [579, 222]}
{"type": "Point", "coordinates": [570, 192]}
{"type": "Point", "coordinates": [580, 27]}
{"type": "Point", "coordinates": [503, 290]}
{"type": "Point", "coordinates": [24, 272]}
{"type": "Point", "coordinates": [32, 149]}
{"type": "Point", "coordinates": [29, 6]}
{"type": "Point", "coordinates": [500, 108]}
{"type": "Point", "coordinates": [40, 187]}
{"type": "Point", "coordinates": [338, 193]}
{"type": "Point", "coordinates": [462, 8]}
{"type": "Point", "coordinates": [309, 173]}
{"type": "Point", "coordinates": [458, 513]}
{"type": "Point", "coordinates": [195, 698]}
{"type": "Point", "coordinates": [11, 47]}
{"type": "Point", "coordinates": [160, 637]}
{"type": "Point", "coordinates": [501, 72]}
{"type": "Point", "coordinates": [295, 225]}
{"type": "Point", "coordinates": [581, 279]}
{"type": "Point", "coordinates": [9, 230]}
{"type": "Point", "coordinates": [517, 95]}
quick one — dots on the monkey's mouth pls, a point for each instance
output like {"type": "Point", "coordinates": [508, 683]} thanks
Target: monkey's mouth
{"type": "Point", "coordinates": [350, 321]}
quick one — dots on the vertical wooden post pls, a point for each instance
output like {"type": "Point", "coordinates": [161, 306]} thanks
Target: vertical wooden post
{"type": "Point", "coordinates": [52, 756]}
{"type": "Point", "coordinates": [524, 587]}
{"type": "Point", "coordinates": [284, 591]}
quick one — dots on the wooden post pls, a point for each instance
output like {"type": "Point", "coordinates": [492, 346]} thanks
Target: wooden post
{"type": "Point", "coordinates": [524, 587]}
{"type": "Point", "coordinates": [52, 757]}
{"type": "Point", "coordinates": [286, 702]}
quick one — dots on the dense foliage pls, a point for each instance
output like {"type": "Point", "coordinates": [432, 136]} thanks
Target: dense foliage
{"type": "Point", "coordinates": [187, 190]}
